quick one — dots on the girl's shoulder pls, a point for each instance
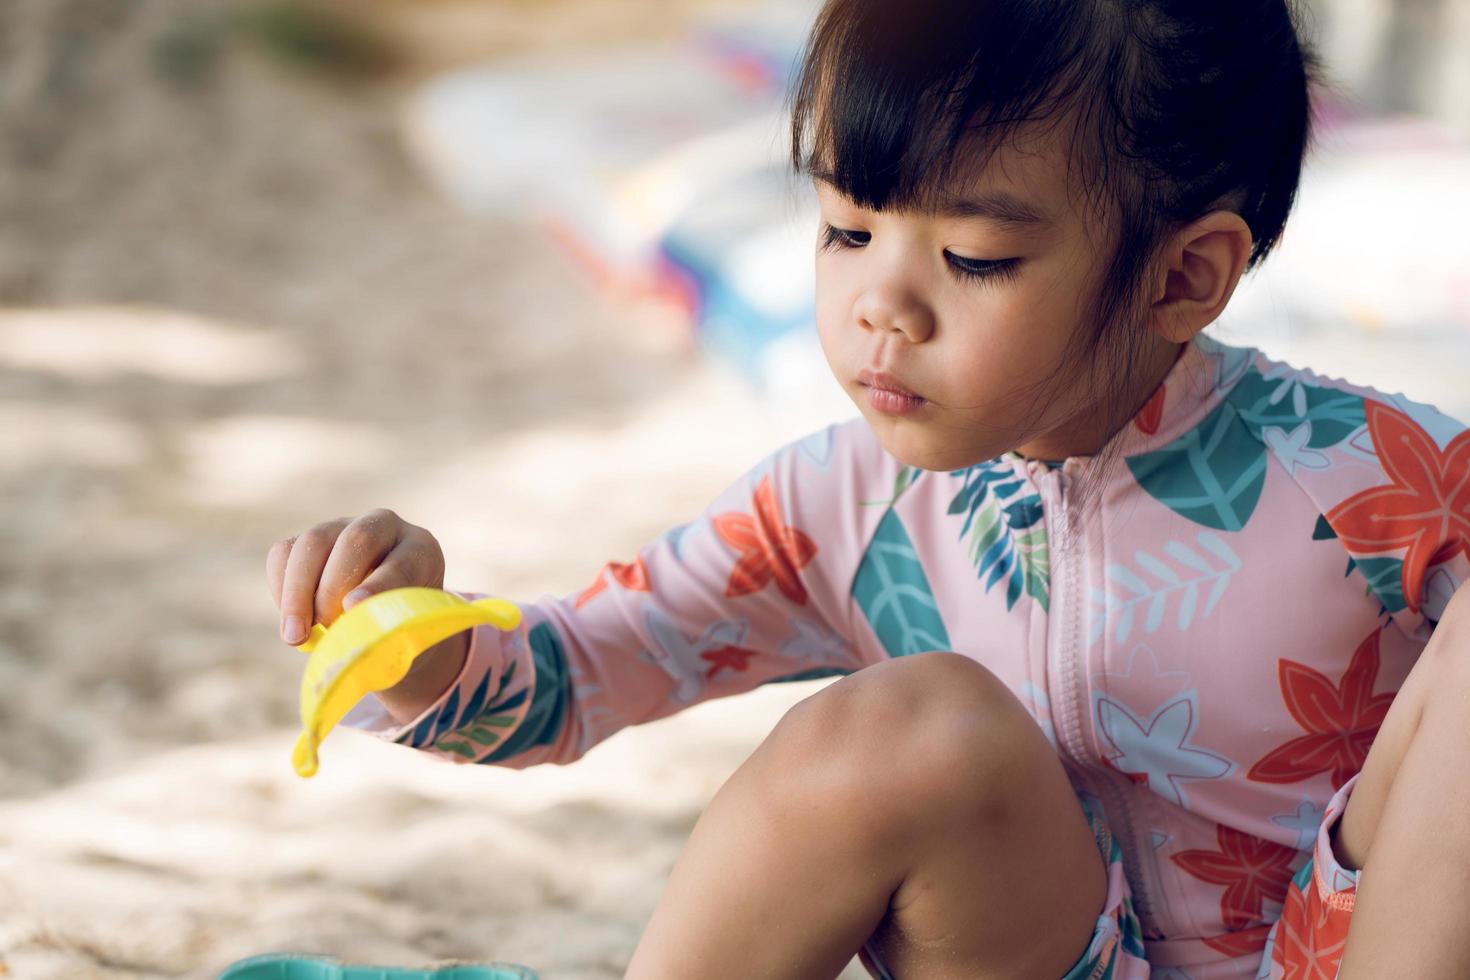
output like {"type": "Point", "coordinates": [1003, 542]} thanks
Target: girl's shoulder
{"type": "Point", "coordinates": [1389, 475]}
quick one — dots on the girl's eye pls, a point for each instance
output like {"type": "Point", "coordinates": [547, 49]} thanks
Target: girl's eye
{"type": "Point", "coordinates": [843, 238]}
{"type": "Point", "coordinates": [985, 268]}
{"type": "Point", "coordinates": [833, 237]}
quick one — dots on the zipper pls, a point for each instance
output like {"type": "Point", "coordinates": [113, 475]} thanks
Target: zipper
{"type": "Point", "coordinates": [1071, 665]}
{"type": "Point", "coordinates": [1069, 735]}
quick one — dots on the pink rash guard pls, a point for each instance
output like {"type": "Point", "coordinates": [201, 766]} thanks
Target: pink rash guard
{"type": "Point", "coordinates": [1210, 643]}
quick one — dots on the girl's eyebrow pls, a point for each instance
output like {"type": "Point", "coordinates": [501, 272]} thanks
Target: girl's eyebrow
{"type": "Point", "coordinates": [997, 206]}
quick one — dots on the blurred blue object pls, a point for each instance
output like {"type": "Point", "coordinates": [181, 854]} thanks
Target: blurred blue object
{"type": "Point", "coordinates": [662, 169]}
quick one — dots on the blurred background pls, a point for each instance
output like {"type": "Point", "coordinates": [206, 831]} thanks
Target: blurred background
{"type": "Point", "coordinates": [530, 273]}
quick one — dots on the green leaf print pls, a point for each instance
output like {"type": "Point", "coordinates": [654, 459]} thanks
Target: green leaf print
{"type": "Point", "coordinates": [905, 479]}
{"type": "Point", "coordinates": [544, 719]}
{"type": "Point", "coordinates": [1007, 538]}
{"type": "Point", "coordinates": [1385, 580]}
{"type": "Point", "coordinates": [1288, 402]}
{"type": "Point", "coordinates": [893, 592]}
{"type": "Point", "coordinates": [812, 674]}
{"type": "Point", "coordinates": [1212, 474]}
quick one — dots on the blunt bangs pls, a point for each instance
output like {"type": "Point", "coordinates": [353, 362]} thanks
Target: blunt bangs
{"type": "Point", "coordinates": [889, 104]}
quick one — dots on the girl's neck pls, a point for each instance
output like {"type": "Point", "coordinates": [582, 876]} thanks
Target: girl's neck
{"type": "Point", "coordinates": [1086, 434]}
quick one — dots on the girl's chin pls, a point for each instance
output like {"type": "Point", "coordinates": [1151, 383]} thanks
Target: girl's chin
{"type": "Point", "coordinates": [899, 440]}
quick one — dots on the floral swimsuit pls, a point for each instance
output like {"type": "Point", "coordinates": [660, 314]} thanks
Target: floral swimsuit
{"type": "Point", "coordinates": [1210, 638]}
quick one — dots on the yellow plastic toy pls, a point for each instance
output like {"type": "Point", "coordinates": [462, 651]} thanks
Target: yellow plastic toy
{"type": "Point", "coordinates": [370, 648]}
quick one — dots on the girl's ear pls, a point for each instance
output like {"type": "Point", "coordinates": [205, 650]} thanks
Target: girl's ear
{"type": "Point", "coordinates": [1197, 273]}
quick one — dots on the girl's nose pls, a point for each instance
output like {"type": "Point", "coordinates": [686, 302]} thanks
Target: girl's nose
{"type": "Point", "coordinates": [887, 307]}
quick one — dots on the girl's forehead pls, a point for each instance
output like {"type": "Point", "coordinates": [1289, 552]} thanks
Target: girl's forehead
{"type": "Point", "coordinates": [1034, 164]}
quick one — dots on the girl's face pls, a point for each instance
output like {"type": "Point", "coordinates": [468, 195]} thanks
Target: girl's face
{"type": "Point", "coordinates": [972, 308]}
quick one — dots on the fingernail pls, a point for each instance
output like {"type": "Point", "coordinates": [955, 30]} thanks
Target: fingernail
{"type": "Point", "coordinates": [293, 630]}
{"type": "Point", "coordinates": [354, 597]}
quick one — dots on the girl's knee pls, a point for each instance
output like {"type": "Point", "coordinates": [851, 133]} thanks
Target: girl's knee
{"type": "Point", "coordinates": [928, 727]}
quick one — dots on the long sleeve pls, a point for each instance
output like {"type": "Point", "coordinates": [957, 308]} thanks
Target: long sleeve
{"type": "Point", "coordinates": [1398, 498]}
{"type": "Point", "coordinates": [756, 590]}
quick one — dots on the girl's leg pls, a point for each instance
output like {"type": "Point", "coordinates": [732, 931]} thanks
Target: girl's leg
{"type": "Point", "coordinates": [916, 802]}
{"type": "Point", "coordinates": [1407, 823]}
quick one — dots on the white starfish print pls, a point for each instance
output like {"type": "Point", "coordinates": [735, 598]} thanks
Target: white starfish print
{"type": "Point", "coordinates": [812, 642]}
{"type": "Point", "coordinates": [1291, 448]}
{"type": "Point", "coordinates": [1305, 821]}
{"type": "Point", "coordinates": [678, 656]}
{"type": "Point", "coordinates": [1157, 749]}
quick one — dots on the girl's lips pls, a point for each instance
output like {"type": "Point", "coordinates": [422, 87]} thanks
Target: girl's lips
{"type": "Point", "coordinates": [887, 395]}
{"type": "Point", "coordinates": [884, 381]}
{"type": "Point", "coordinates": [893, 402]}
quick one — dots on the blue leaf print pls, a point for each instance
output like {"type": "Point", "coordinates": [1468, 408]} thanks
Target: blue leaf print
{"type": "Point", "coordinates": [893, 592]}
{"type": "Point", "coordinates": [1289, 401]}
{"type": "Point", "coordinates": [450, 716]}
{"type": "Point", "coordinates": [1154, 599]}
{"type": "Point", "coordinates": [543, 721]}
{"type": "Point", "coordinates": [547, 715]}
{"type": "Point", "coordinates": [905, 479]}
{"type": "Point", "coordinates": [1213, 474]}
{"type": "Point", "coordinates": [1007, 539]}
{"type": "Point", "coordinates": [1385, 580]}
{"type": "Point", "coordinates": [447, 714]}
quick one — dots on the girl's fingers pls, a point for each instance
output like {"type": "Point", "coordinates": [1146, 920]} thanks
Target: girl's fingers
{"type": "Point", "coordinates": [359, 548]}
{"type": "Point", "coordinates": [275, 567]}
{"type": "Point", "coordinates": [309, 553]}
{"type": "Point", "coordinates": [411, 562]}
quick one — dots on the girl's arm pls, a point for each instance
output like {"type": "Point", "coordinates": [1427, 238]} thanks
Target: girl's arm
{"type": "Point", "coordinates": [756, 590]}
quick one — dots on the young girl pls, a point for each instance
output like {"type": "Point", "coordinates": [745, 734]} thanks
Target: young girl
{"type": "Point", "coordinates": [1123, 610]}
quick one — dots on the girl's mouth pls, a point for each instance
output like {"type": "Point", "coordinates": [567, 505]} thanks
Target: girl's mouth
{"type": "Point", "coordinates": [893, 402]}
{"type": "Point", "coordinates": [884, 381]}
{"type": "Point", "coordinates": [887, 395]}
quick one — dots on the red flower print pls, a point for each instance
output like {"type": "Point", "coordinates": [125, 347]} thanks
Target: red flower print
{"type": "Point", "coordinates": [1310, 943]}
{"type": "Point", "coordinates": [736, 658]}
{"type": "Point", "coordinates": [1426, 507]}
{"type": "Point", "coordinates": [1341, 719]}
{"type": "Point", "coordinates": [632, 576]}
{"type": "Point", "coordinates": [769, 550]}
{"type": "Point", "coordinates": [1151, 413]}
{"type": "Point", "coordinates": [1251, 869]}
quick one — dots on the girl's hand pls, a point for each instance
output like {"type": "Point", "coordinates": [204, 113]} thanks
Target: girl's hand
{"type": "Point", "coordinates": [330, 567]}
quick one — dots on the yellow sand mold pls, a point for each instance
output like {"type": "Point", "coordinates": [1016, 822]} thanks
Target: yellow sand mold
{"type": "Point", "coordinates": [370, 648]}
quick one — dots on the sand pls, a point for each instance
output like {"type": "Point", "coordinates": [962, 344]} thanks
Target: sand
{"type": "Point", "coordinates": [230, 308]}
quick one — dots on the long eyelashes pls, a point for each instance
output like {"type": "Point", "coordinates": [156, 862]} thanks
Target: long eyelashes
{"type": "Point", "coordinates": [835, 238]}
{"type": "Point", "coordinates": [842, 237]}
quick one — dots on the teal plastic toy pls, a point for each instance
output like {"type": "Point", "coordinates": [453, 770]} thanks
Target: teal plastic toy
{"type": "Point", "coordinates": [292, 966]}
